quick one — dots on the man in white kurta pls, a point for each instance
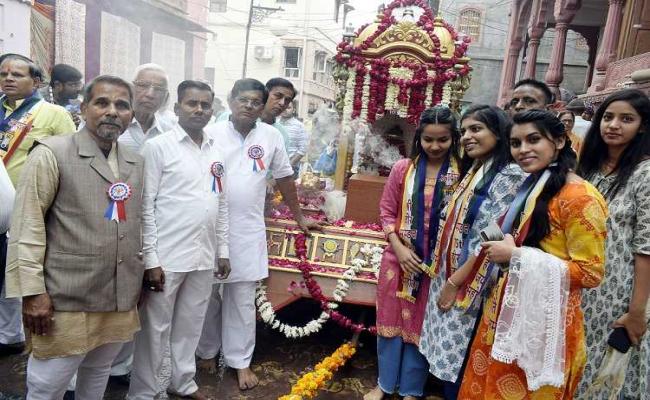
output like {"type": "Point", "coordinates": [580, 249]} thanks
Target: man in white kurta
{"type": "Point", "coordinates": [251, 149]}
{"type": "Point", "coordinates": [185, 233]}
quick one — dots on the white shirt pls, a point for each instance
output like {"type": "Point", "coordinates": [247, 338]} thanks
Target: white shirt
{"type": "Point", "coordinates": [297, 136]}
{"type": "Point", "coordinates": [581, 127]}
{"type": "Point", "coordinates": [7, 195]}
{"type": "Point", "coordinates": [246, 193]}
{"type": "Point", "coordinates": [184, 223]}
{"type": "Point", "coordinates": [134, 137]}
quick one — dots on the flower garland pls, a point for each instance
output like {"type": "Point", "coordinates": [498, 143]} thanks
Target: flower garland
{"type": "Point", "coordinates": [268, 315]}
{"type": "Point", "coordinates": [308, 385]}
{"type": "Point", "coordinates": [349, 95]}
{"type": "Point", "coordinates": [390, 92]}
{"type": "Point", "coordinates": [317, 294]}
{"type": "Point", "coordinates": [365, 96]}
{"type": "Point", "coordinates": [446, 94]}
{"type": "Point", "coordinates": [371, 256]}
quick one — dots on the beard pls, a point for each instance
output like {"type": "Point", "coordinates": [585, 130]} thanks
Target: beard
{"type": "Point", "coordinates": [109, 133]}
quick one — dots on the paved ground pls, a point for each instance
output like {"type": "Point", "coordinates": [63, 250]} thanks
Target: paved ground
{"type": "Point", "coordinates": [278, 363]}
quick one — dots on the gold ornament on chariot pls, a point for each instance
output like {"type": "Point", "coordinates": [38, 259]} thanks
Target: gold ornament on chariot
{"type": "Point", "coordinates": [330, 246]}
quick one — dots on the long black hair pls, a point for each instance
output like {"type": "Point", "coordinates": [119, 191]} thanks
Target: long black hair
{"type": "Point", "coordinates": [551, 127]}
{"type": "Point", "coordinates": [438, 115]}
{"type": "Point", "coordinates": [498, 122]}
{"type": "Point", "coordinates": [594, 149]}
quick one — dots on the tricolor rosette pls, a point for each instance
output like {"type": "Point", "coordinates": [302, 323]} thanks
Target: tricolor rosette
{"type": "Point", "coordinates": [118, 193]}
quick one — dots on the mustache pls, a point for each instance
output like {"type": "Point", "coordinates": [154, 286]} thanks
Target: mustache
{"type": "Point", "coordinates": [112, 122]}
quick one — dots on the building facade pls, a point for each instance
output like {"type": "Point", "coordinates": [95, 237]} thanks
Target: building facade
{"type": "Point", "coordinates": [294, 39]}
{"type": "Point", "coordinates": [115, 36]}
{"type": "Point", "coordinates": [616, 32]}
{"type": "Point", "coordinates": [486, 22]}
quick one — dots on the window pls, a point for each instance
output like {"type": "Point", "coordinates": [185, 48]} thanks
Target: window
{"type": "Point", "coordinates": [319, 66]}
{"type": "Point", "coordinates": [469, 22]}
{"type": "Point", "coordinates": [218, 6]}
{"type": "Point", "coordinates": [292, 56]}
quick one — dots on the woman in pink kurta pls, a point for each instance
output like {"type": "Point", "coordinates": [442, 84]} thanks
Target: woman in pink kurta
{"type": "Point", "coordinates": [413, 198]}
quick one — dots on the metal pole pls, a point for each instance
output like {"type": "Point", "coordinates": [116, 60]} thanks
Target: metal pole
{"type": "Point", "coordinates": [248, 33]}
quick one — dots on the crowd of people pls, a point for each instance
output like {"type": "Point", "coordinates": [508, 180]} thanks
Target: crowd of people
{"type": "Point", "coordinates": [519, 239]}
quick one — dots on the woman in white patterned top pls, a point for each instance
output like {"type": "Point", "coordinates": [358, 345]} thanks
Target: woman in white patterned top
{"type": "Point", "coordinates": [618, 164]}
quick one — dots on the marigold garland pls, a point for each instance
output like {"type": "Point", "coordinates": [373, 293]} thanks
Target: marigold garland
{"type": "Point", "coordinates": [308, 385]}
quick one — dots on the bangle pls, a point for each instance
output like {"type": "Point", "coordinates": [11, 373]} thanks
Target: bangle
{"type": "Point", "coordinates": [449, 281]}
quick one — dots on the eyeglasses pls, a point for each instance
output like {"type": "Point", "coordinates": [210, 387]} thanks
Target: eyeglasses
{"type": "Point", "coordinates": [243, 101]}
{"type": "Point", "coordinates": [143, 85]}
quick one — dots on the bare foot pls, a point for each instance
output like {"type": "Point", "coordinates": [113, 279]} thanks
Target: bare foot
{"type": "Point", "coordinates": [196, 395]}
{"type": "Point", "coordinates": [209, 365]}
{"type": "Point", "coordinates": [247, 379]}
{"type": "Point", "coordinates": [374, 394]}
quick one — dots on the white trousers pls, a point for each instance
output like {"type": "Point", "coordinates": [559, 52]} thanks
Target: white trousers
{"type": "Point", "coordinates": [124, 360]}
{"type": "Point", "coordinates": [48, 379]}
{"type": "Point", "coordinates": [230, 324]}
{"type": "Point", "coordinates": [175, 315]}
{"type": "Point", "coordinates": [11, 320]}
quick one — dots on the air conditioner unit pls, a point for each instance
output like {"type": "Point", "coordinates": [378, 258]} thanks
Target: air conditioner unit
{"type": "Point", "coordinates": [263, 52]}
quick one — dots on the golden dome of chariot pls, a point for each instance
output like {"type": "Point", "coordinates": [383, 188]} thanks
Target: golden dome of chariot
{"type": "Point", "coordinates": [406, 36]}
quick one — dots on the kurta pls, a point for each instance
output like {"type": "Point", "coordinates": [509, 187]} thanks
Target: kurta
{"type": "Point", "coordinates": [446, 335]}
{"type": "Point", "coordinates": [246, 192]}
{"type": "Point", "coordinates": [396, 316]}
{"type": "Point", "coordinates": [577, 217]}
{"type": "Point", "coordinates": [628, 233]}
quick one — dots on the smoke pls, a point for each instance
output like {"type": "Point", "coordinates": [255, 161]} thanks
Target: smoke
{"type": "Point", "coordinates": [371, 150]}
{"type": "Point", "coordinates": [325, 130]}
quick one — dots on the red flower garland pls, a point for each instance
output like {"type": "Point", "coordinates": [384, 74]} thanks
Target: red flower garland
{"type": "Point", "coordinates": [350, 56]}
{"type": "Point", "coordinates": [316, 292]}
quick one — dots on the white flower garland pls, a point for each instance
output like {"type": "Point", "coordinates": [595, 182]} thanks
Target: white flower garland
{"type": "Point", "coordinates": [391, 97]}
{"type": "Point", "coordinates": [428, 95]}
{"type": "Point", "coordinates": [371, 256]}
{"type": "Point", "coordinates": [348, 101]}
{"type": "Point", "coordinates": [446, 94]}
{"type": "Point", "coordinates": [391, 103]}
{"type": "Point", "coordinates": [365, 97]}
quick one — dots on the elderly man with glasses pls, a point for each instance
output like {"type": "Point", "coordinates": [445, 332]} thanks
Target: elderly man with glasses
{"type": "Point", "coordinates": [251, 148]}
{"type": "Point", "coordinates": [150, 95]}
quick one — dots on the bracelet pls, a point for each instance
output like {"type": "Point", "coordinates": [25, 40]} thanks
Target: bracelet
{"type": "Point", "coordinates": [449, 281]}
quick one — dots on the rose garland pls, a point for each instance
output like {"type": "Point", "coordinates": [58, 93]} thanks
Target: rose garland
{"type": "Point", "coordinates": [372, 255]}
{"type": "Point", "coordinates": [308, 385]}
{"type": "Point", "coordinates": [317, 294]}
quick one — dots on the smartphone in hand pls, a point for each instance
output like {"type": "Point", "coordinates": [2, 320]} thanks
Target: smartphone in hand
{"type": "Point", "coordinates": [619, 340]}
{"type": "Point", "coordinates": [492, 233]}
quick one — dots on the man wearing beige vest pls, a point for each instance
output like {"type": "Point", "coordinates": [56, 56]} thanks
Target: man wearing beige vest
{"type": "Point", "coordinates": [75, 250]}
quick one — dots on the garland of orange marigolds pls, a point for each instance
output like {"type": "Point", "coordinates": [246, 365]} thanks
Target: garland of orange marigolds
{"type": "Point", "coordinates": [308, 385]}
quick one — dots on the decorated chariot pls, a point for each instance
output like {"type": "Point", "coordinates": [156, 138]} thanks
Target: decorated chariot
{"type": "Point", "coordinates": [388, 72]}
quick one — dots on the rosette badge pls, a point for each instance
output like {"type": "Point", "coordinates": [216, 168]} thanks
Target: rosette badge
{"type": "Point", "coordinates": [256, 152]}
{"type": "Point", "coordinates": [118, 193]}
{"type": "Point", "coordinates": [217, 173]}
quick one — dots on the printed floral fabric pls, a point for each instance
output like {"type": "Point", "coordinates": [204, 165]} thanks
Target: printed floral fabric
{"type": "Point", "coordinates": [628, 230]}
{"type": "Point", "coordinates": [577, 218]}
{"type": "Point", "coordinates": [446, 336]}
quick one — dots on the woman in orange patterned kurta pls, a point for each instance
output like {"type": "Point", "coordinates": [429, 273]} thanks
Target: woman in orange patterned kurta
{"type": "Point", "coordinates": [563, 216]}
